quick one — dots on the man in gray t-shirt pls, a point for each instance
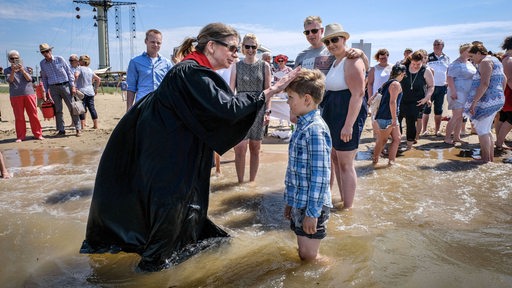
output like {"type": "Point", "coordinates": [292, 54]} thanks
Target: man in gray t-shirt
{"type": "Point", "coordinates": [317, 55]}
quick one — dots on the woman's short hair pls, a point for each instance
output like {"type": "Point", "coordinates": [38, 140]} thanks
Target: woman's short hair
{"type": "Point", "coordinates": [507, 43]}
{"type": "Point", "coordinates": [396, 70]}
{"type": "Point", "coordinates": [382, 51]}
{"type": "Point", "coordinates": [212, 31]}
{"type": "Point", "coordinates": [415, 56]}
{"type": "Point", "coordinates": [85, 59]}
{"type": "Point", "coordinates": [478, 48]}
{"type": "Point", "coordinates": [464, 47]}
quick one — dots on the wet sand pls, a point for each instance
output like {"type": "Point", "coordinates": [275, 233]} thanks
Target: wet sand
{"type": "Point", "coordinates": [434, 219]}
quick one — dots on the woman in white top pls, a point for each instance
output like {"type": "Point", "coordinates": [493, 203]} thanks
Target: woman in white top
{"type": "Point", "coordinates": [344, 110]}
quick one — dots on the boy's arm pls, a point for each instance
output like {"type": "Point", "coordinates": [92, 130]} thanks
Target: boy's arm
{"type": "Point", "coordinates": [319, 170]}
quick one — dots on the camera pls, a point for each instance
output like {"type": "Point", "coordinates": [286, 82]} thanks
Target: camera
{"type": "Point", "coordinates": [17, 61]}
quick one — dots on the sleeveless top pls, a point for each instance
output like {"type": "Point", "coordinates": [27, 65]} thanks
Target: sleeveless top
{"type": "Point", "coordinates": [413, 86]}
{"type": "Point", "coordinates": [493, 99]}
{"type": "Point", "coordinates": [250, 77]}
{"type": "Point", "coordinates": [384, 112]}
{"type": "Point", "coordinates": [335, 78]}
{"type": "Point", "coordinates": [380, 76]}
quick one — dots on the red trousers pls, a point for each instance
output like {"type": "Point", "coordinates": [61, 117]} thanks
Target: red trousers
{"type": "Point", "coordinates": [27, 103]}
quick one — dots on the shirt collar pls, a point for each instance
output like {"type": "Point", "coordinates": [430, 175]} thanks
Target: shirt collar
{"type": "Point", "coordinates": [147, 55]}
{"type": "Point", "coordinates": [308, 117]}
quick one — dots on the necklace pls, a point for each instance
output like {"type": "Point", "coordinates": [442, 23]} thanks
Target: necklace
{"type": "Point", "coordinates": [412, 80]}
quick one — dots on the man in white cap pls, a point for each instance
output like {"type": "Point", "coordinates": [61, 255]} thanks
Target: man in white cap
{"type": "Point", "coordinates": [59, 82]}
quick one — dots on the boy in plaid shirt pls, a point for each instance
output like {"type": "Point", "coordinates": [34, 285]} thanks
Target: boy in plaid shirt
{"type": "Point", "coordinates": [307, 193]}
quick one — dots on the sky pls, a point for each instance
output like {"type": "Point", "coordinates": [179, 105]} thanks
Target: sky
{"type": "Point", "coordinates": [393, 25]}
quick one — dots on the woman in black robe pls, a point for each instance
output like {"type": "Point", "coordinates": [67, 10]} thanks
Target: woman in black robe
{"type": "Point", "coordinates": [153, 181]}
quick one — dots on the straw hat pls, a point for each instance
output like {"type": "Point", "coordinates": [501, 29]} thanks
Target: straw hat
{"type": "Point", "coordinates": [333, 30]}
{"type": "Point", "coordinates": [44, 47]}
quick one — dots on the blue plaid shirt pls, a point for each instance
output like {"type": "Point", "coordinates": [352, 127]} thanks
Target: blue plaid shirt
{"type": "Point", "coordinates": [309, 165]}
{"type": "Point", "coordinates": [56, 71]}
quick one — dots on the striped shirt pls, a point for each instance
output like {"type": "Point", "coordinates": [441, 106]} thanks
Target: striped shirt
{"type": "Point", "coordinates": [309, 165]}
{"type": "Point", "coordinates": [56, 71]}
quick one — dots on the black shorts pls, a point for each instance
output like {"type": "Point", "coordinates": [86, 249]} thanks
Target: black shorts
{"type": "Point", "coordinates": [321, 225]}
{"type": "Point", "coordinates": [506, 116]}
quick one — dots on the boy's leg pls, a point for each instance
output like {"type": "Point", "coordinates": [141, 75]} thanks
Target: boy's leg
{"type": "Point", "coordinates": [308, 248]}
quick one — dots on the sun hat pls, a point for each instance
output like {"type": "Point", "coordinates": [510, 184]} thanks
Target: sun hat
{"type": "Point", "coordinates": [333, 30]}
{"type": "Point", "coordinates": [44, 47]}
{"type": "Point", "coordinates": [281, 56]}
{"type": "Point", "coordinates": [408, 50]}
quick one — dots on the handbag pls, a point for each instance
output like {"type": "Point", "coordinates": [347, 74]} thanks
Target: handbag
{"type": "Point", "coordinates": [77, 106]}
{"type": "Point", "coordinates": [79, 94]}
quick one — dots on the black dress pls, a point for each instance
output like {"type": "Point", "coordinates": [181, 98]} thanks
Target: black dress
{"type": "Point", "coordinates": [153, 181]}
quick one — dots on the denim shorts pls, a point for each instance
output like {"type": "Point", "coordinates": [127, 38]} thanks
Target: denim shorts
{"type": "Point", "coordinates": [297, 216]}
{"type": "Point", "coordinates": [384, 123]}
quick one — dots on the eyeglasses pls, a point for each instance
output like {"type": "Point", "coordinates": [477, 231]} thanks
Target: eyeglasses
{"type": "Point", "coordinates": [438, 44]}
{"type": "Point", "coordinates": [45, 52]}
{"type": "Point", "coordinates": [280, 60]}
{"type": "Point", "coordinates": [314, 31]}
{"type": "Point", "coordinates": [13, 58]}
{"type": "Point", "coordinates": [72, 60]}
{"type": "Point", "coordinates": [332, 40]}
{"type": "Point", "coordinates": [253, 47]}
{"type": "Point", "coordinates": [231, 48]}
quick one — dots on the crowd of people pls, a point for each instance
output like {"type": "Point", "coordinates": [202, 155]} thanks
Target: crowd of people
{"type": "Point", "coordinates": [212, 102]}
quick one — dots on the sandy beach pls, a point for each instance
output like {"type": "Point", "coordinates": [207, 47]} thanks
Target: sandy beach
{"type": "Point", "coordinates": [111, 108]}
{"type": "Point", "coordinates": [433, 213]}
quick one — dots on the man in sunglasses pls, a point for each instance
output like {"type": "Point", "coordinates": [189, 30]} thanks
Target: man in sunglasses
{"type": "Point", "coordinates": [317, 56]}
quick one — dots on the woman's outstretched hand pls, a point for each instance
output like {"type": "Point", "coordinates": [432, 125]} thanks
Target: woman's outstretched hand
{"type": "Point", "coordinates": [281, 84]}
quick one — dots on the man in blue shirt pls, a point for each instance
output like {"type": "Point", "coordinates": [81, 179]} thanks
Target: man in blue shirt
{"type": "Point", "coordinates": [307, 193]}
{"type": "Point", "coordinates": [146, 71]}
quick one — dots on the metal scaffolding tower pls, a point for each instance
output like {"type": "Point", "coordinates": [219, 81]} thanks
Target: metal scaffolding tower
{"type": "Point", "coordinates": [101, 7]}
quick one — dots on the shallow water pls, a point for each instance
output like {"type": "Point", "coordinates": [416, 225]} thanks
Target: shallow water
{"type": "Point", "coordinates": [432, 220]}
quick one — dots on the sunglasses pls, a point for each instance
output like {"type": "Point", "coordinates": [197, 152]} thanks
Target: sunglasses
{"type": "Point", "coordinates": [332, 40]}
{"type": "Point", "coordinates": [45, 52]}
{"type": "Point", "coordinates": [72, 60]}
{"type": "Point", "coordinates": [280, 60]}
{"type": "Point", "coordinates": [253, 47]}
{"type": "Point", "coordinates": [13, 58]}
{"type": "Point", "coordinates": [231, 48]}
{"type": "Point", "coordinates": [314, 31]}
{"type": "Point", "coordinates": [438, 44]}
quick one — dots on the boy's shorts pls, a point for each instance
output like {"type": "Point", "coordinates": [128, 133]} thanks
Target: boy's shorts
{"type": "Point", "coordinates": [297, 216]}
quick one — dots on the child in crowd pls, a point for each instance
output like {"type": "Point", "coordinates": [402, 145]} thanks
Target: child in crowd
{"type": "Point", "coordinates": [307, 193]}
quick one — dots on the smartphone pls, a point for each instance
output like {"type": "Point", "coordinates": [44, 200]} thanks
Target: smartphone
{"type": "Point", "coordinates": [17, 61]}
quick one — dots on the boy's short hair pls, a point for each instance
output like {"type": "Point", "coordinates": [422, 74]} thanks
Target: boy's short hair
{"type": "Point", "coordinates": [309, 81]}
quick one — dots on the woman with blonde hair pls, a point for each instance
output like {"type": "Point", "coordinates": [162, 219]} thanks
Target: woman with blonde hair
{"type": "Point", "coordinates": [249, 75]}
{"type": "Point", "coordinates": [85, 80]}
